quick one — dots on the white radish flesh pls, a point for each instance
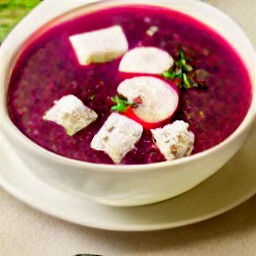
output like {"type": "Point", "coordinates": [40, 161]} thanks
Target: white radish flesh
{"type": "Point", "coordinates": [146, 60]}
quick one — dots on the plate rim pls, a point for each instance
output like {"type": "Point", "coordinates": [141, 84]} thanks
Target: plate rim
{"type": "Point", "coordinates": [9, 186]}
{"type": "Point", "coordinates": [139, 228]}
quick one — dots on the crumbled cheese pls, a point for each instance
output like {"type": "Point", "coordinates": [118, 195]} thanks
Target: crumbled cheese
{"type": "Point", "coordinates": [117, 136]}
{"type": "Point", "coordinates": [174, 140]}
{"type": "Point", "coordinates": [146, 60]}
{"type": "Point", "coordinates": [152, 30]}
{"type": "Point", "coordinates": [71, 113]}
{"type": "Point", "coordinates": [147, 19]}
{"type": "Point", "coordinates": [100, 46]}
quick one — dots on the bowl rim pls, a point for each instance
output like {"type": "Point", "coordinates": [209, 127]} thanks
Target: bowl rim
{"type": "Point", "coordinates": [11, 130]}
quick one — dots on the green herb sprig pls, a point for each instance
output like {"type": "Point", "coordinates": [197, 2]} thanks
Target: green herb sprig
{"type": "Point", "coordinates": [185, 76]}
{"type": "Point", "coordinates": [122, 103]}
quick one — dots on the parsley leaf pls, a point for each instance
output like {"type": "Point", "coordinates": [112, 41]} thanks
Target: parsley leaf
{"type": "Point", "coordinates": [185, 76]}
{"type": "Point", "coordinates": [121, 103]}
{"type": "Point", "coordinates": [169, 75]}
{"type": "Point", "coordinates": [92, 97]}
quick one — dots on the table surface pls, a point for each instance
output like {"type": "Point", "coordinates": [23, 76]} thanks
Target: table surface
{"type": "Point", "coordinates": [25, 231]}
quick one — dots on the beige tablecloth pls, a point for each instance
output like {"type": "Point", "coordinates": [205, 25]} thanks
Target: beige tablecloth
{"type": "Point", "coordinates": [27, 232]}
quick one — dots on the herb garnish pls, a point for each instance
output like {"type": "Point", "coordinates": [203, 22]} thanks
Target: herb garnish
{"type": "Point", "coordinates": [185, 76]}
{"type": "Point", "coordinates": [121, 103]}
{"type": "Point", "coordinates": [92, 97]}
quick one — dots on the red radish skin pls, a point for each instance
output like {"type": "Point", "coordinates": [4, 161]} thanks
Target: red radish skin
{"type": "Point", "coordinates": [126, 75]}
{"type": "Point", "coordinates": [146, 125]}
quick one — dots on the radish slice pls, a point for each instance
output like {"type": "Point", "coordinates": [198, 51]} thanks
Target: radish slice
{"type": "Point", "coordinates": [158, 100]}
{"type": "Point", "coordinates": [146, 60]}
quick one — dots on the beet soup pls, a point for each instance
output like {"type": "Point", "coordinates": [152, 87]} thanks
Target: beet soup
{"type": "Point", "coordinates": [48, 69]}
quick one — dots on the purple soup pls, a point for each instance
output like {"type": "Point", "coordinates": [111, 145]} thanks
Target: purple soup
{"type": "Point", "coordinates": [48, 70]}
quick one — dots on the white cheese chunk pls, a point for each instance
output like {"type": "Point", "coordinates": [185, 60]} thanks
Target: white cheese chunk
{"type": "Point", "coordinates": [117, 136]}
{"type": "Point", "coordinates": [99, 46]}
{"type": "Point", "coordinates": [174, 140]}
{"type": "Point", "coordinates": [146, 60]}
{"type": "Point", "coordinates": [71, 113]}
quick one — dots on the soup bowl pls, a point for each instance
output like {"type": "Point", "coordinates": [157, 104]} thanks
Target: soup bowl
{"type": "Point", "coordinates": [121, 185]}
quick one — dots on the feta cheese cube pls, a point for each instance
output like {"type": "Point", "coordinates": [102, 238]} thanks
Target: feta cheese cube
{"type": "Point", "coordinates": [71, 113]}
{"type": "Point", "coordinates": [146, 60]}
{"type": "Point", "coordinates": [117, 136]}
{"type": "Point", "coordinates": [174, 140]}
{"type": "Point", "coordinates": [99, 46]}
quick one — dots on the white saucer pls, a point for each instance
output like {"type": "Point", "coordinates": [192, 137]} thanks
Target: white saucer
{"type": "Point", "coordinates": [229, 187]}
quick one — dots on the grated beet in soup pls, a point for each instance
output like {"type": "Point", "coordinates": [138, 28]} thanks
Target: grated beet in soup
{"type": "Point", "coordinates": [48, 70]}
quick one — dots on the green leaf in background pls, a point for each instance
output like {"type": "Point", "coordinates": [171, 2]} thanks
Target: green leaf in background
{"type": "Point", "coordinates": [11, 12]}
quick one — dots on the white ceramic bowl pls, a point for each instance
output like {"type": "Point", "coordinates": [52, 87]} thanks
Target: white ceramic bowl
{"type": "Point", "coordinates": [118, 184]}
